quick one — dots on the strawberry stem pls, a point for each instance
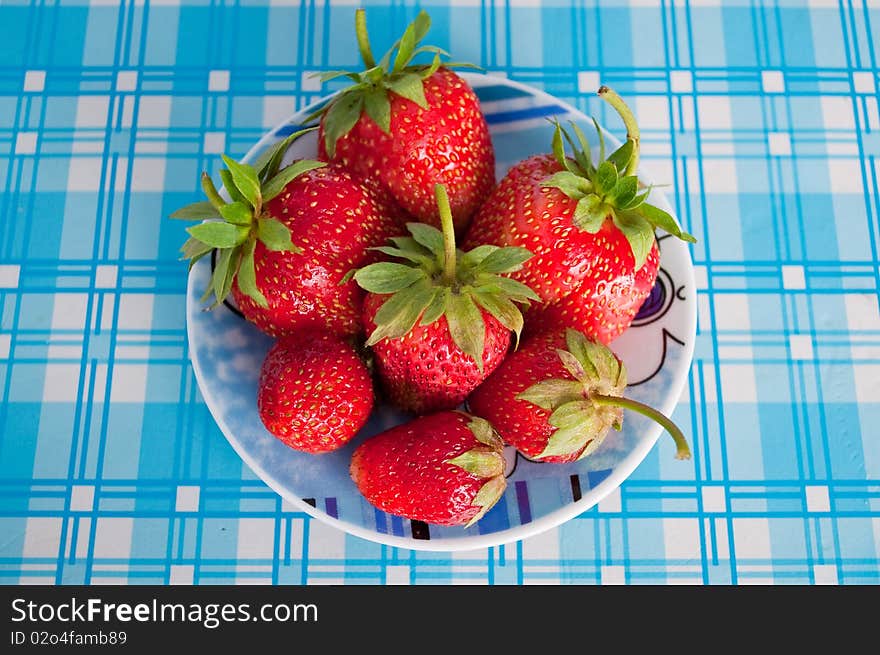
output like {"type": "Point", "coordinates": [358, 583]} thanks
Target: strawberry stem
{"type": "Point", "coordinates": [629, 121]}
{"type": "Point", "coordinates": [682, 449]}
{"type": "Point", "coordinates": [448, 234]}
{"type": "Point", "coordinates": [360, 28]}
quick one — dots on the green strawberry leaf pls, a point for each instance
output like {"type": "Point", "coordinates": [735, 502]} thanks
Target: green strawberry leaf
{"type": "Point", "coordinates": [387, 277]}
{"type": "Point", "coordinates": [574, 366]}
{"type": "Point", "coordinates": [576, 424]}
{"type": "Point", "coordinates": [515, 290]}
{"type": "Point", "coordinates": [275, 235]}
{"type": "Point", "coordinates": [373, 76]}
{"type": "Point", "coordinates": [636, 202]}
{"type": "Point", "coordinates": [230, 188]}
{"type": "Point", "coordinates": [466, 326]}
{"type": "Point", "coordinates": [571, 184]}
{"type": "Point", "coordinates": [411, 245]}
{"type": "Point", "coordinates": [246, 180]}
{"type": "Point", "coordinates": [659, 218]}
{"type": "Point", "coordinates": [487, 496]}
{"type": "Point", "coordinates": [270, 161]}
{"type": "Point", "coordinates": [341, 117]}
{"type": "Point", "coordinates": [594, 357]}
{"type": "Point", "coordinates": [552, 393]}
{"type": "Point", "coordinates": [211, 192]}
{"type": "Point", "coordinates": [559, 151]}
{"type": "Point", "coordinates": [622, 156]}
{"type": "Point", "coordinates": [501, 308]}
{"type": "Point", "coordinates": [415, 257]}
{"type": "Point", "coordinates": [224, 272]}
{"type": "Point", "coordinates": [429, 237]}
{"type": "Point", "coordinates": [583, 153]}
{"type": "Point", "coordinates": [638, 232]}
{"type": "Point", "coordinates": [606, 177]}
{"type": "Point", "coordinates": [378, 108]}
{"type": "Point", "coordinates": [485, 433]}
{"type": "Point", "coordinates": [421, 25]}
{"type": "Point", "coordinates": [430, 48]}
{"type": "Point", "coordinates": [194, 250]}
{"type": "Point", "coordinates": [247, 278]}
{"type": "Point", "coordinates": [625, 190]}
{"type": "Point", "coordinates": [479, 462]}
{"type": "Point", "coordinates": [592, 445]}
{"type": "Point", "coordinates": [219, 234]}
{"type": "Point", "coordinates": [472, 258]}
{"type": "Point", "coordinates": [601, 138]}
{"type": "Point", "coordinates": [409, 86]}
{"type": "Point", "coordinates": [278, 183]}
{"type": "Point", "coordinates": [397, 315]}
{"type": "Point", "coordinates": [436, 306]}
{"type": "Point", "coordinates": [406, 48]}
{"type": "Point", "coordinates": [430, 70]}
{"type": "Point", "coordinates": [504, 260]}
{"type": "Point", "coordinates": [590, 213]}
{"type": "Point", "coordinates": [237, 213]}
{"type": "Point", "coordinates": [196, 211]}
{"type": "Point", "coordinates": [332, 75]}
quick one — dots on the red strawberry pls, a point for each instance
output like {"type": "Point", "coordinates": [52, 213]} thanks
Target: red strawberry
{"type": "Point", "coordinates": [314, 392]}
{"type": "Point", "coordinates": [411, 127]}
{"type": "Point", "coordinates": [589, 227]}
{"type": "Point", "coordinates": [444, 468]}
{"type": "Point", "coordinates": [440, 322]}
{"type": "Point", "coordinates": [607, 300]}
{"type": "Point", "coordinates": [287, 240]}
{"type": "Point", "coordinates": [555, 399]}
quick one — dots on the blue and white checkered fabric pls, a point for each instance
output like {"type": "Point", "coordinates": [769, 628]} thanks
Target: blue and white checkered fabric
{"type": "Point", "coordinates": [764, 119]}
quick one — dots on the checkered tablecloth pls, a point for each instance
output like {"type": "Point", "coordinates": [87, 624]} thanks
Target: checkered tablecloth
{"type": "Point", "coordinates": [763, 117]}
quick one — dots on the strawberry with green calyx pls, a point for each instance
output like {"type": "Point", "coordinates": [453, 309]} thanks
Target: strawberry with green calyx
{"type": "Point", "coordinates": [589, 226]}
{"type": "Point", "coordinates": [286, 238]}
{"type": "Point", "coordinates": [445, 468]}
{"type": "Point", "coordinates": [411, 126]}
{"type": "Point", "coordinates": [557, 397]}
{"type": "Point", "coordinates": [233, 228]}
{"type": "Point", "coordinates": [314, 392]}
{"type": "Point", "coordinates": [440, 321]}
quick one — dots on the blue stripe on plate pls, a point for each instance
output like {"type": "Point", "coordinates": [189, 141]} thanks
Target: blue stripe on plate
{"type": "Point", "coordinates": [522, 501]}
{"type": "Point", "coordinates": [381, 521]}
{"type": "Point", "coordinates": [595, 477]}
{"type": "Point", "coordinates": [495, 93]}
{"type": "Point", "coordinates": [524, 114]}
{"type": "Point", "coordinates": [496, 519]}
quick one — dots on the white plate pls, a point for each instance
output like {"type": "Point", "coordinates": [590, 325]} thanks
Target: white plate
{"type": "Point", "coordinates": [227, 353]}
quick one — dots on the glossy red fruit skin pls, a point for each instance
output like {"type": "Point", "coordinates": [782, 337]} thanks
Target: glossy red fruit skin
{"type": "Point", "coordinates": [609, 297]}
{"type": "Point", "coordinates": [314, 392]}
{"type": "Point", "coordinates": [424, 371]}
{"type": "Point", "coordinates": [519, 423]}
{"type": "Point", "coordinates": [447, 143]}
{"type": "Point", "coordinates": [520, 212]}
{"type": "Point", "coordinates": [334, 219]}
{"type": "Point", "coordinates": [403, 471]}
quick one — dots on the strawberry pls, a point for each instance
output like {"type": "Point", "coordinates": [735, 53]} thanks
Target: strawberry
{"type": "Point", "coordinates": [606, 301]}
{"type": "Point", "coordinates": [410, 127]}
{"type": "Point", "coordinates": [287, 239]}
{"type": "Point", "coordinates": [556, 398]}
{"type": "Point", "coordinates": [440, 321]}
{"type": "Point", "coordinates": [314, 392]}
{"type": "Point", "coordinates": [589, 227]}
{"type": "Point", "coordinates": [444, 468]}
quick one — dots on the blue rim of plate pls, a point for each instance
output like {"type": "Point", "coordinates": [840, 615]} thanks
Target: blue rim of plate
{"type": "Point", "coordinates": [506, 95]}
